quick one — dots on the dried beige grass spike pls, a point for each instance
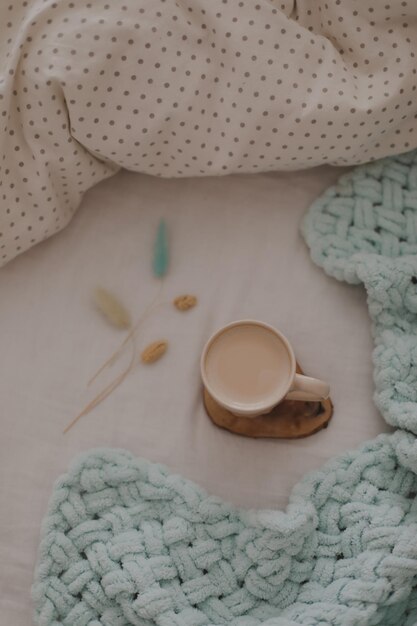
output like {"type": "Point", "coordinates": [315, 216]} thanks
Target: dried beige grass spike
{"type": "Point", "coordinates": [154, 351]}
{"type": "Point", "coordinates": [185, 302]}
{"type": "Point", "coordinates": [111, 307]}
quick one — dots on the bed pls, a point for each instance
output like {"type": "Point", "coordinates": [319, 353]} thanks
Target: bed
{"type": "Point", "coordinates": [189, 91]}
{"type": "Point", "coordinates": [235, 244]}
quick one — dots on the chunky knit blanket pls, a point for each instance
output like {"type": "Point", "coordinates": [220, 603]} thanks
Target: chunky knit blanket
{"type": "Point", "coordinates": [126, 543]}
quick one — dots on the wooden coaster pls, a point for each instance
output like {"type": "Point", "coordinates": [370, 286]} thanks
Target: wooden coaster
{"type": "Point", "coordinates": [290, 419]}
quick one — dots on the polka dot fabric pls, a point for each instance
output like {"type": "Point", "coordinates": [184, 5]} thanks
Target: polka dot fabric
{"type": "Point", "coordinates": [191, 88]}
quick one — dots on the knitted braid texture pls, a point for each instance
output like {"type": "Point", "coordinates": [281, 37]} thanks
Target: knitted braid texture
{"type": "Point", "coordinates": [127, 543]}
{"type": "Point", "coordinates": [365, 230]}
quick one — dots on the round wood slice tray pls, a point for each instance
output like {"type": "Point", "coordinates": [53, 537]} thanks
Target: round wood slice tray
{"type": "Point", "coordinates": [290, 419]}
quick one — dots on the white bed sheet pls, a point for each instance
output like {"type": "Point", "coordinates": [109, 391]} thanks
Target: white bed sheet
{"type": "Point", "coordinates": [235, 243]}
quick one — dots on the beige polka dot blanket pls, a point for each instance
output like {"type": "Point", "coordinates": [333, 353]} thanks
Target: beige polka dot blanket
{"type": "Point", "coordinates": [192, 88]}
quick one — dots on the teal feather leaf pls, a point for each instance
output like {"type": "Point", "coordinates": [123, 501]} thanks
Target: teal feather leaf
{"type": "Point", "coordinates": [161, 252]}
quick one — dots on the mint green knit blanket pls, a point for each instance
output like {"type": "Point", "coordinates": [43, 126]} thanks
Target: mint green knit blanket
{"type": "Point", "coordinates": [127, 543]}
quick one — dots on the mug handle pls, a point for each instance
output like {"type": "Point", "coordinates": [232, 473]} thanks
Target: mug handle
{"type": "Point", "coordinates": [308, 389]}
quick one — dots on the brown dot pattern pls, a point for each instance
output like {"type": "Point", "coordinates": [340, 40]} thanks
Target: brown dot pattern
{"type": "Point", "coordinates": [192, 88]}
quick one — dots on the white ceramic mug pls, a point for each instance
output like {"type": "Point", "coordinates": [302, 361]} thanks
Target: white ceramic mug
{"type": "Point", "coordinates": [248, 367]}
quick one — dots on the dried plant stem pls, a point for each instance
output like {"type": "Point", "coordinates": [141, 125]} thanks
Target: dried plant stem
{"type": "Point", "coordinates": [113, 358]}
{"type": "Point", "coordinates": [107, 390]}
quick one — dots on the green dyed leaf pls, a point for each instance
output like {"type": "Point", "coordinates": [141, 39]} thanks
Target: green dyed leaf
{"type": "Point", "coordinates": [161, 253]}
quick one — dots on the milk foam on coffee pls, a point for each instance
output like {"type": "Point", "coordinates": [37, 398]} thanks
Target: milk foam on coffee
{"type": "Point", "coordinates": [247, 364]}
